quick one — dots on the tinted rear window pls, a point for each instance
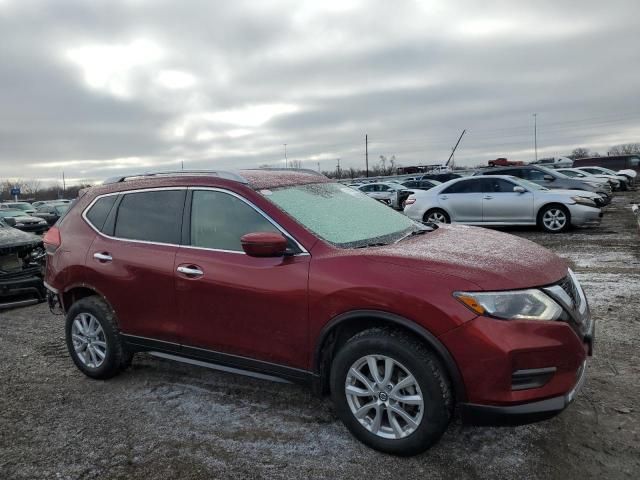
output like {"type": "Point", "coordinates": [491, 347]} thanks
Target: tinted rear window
{"type": "Point", "coordinates": [98, 214]}
{"type": "Point", "coordinates": [151, 216]}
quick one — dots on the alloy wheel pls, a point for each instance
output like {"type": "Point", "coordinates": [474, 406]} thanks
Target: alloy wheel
{"type": "Point", "coordinates": [384, 396]}
{"type": "Point", "coordinates": [554, 219]}
{"type": "Point", "coordinates": [437, 217]}
{"type": "Point", "coordinates": [89, 340]}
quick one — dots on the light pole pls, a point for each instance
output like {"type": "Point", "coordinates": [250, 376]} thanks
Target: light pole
{"type": "Point", "coordinates": [286, 162]}
{"type": "Point", "coordinates": [535, 134]}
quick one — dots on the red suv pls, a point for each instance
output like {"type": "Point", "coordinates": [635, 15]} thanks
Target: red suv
{"type": "Point", "coordinates": [294, 276]}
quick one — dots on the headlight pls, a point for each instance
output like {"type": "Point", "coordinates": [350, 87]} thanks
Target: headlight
{"type": "Point", "coordinates": [516, 305]}
{"type": "Point", "coordinates": [42, 222]}
{"type": "Point", "coordinates": [584, 201]}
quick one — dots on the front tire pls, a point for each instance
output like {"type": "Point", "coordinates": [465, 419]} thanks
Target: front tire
{"type": "Point", "coordinates": [93, 339]}
{"type": "Point", "coordinates": [554, 219]}
{"type": "Point", "coordinates": [391, 392]}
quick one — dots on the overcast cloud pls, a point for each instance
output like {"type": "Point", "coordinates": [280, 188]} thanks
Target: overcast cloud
{"type": "Point", "coordinates": [96, 88]}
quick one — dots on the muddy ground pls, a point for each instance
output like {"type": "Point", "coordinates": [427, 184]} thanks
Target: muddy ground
{"type": "Point", "coordinates": [162, 419]}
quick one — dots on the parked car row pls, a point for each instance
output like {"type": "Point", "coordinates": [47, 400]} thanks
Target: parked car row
{"type": "Point", "coordinates": [33, 218]}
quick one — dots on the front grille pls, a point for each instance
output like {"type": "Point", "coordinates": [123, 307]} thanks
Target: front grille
{"type": "Point", "coordinates": [569, 295]}
{"type": "Point", "coordinates": [568, 286]}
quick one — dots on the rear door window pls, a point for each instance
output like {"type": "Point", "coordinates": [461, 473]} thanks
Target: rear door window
{"type": "Point", "coordinates": [154, 216]}
{"type": "Point", "coordinates": [219, 220]}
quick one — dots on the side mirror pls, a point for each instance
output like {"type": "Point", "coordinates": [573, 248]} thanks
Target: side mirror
{"type": "Point", "coordinates": [549, 178]}
{"type": "Point", "coordinates": [519, 189]}
{"type": "Point", "coordinates": [264, 244]}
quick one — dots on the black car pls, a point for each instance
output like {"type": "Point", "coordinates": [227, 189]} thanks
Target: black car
{"type": "Point", "coordinates": [20, 220]}
{"type": "Point", "coordinates": [21, 257]}
{"type": "Point", "coordinates": [441, 177]}
{"type": "Point", "coordinates": [51, 212]}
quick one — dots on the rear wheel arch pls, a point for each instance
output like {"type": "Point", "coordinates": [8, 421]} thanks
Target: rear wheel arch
{"type": "Point", "coordinates": [76, 293]}
{"type": "Point", "coordinates": [346, 325]}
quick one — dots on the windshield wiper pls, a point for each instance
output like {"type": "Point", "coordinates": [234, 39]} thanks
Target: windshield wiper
{"type": "Point", "coordinates": [420, 231]}
{"type": "Point", "coordinates": [378, 244]}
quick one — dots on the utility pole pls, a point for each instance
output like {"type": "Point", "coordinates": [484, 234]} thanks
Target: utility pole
{"type": "Point", "coordinates": [366, 153]}
{"type": "Point", "coordinates": [535, 134]}
{"type": "Point", "coordinates": [286, 162]}
{"type": "Point", "coordinates": [338, 169]}
{"type": "Point", "coordinates": [318, 166]}
{"type": "Point", "coordinates": [182, 164]}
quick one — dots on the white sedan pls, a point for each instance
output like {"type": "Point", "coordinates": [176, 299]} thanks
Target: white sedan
{"type": "Point", "coordinates": [503, 200]}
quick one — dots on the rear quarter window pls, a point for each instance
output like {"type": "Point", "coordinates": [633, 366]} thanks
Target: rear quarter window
{"type": "Point", "coordinates": [100, 210]}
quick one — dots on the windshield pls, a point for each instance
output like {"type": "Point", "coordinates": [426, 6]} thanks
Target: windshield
{"type": "Point", "coordinates": [11, 213]}
{"type": "Point", "coordinates": [342, 216]}
{"type": "Point", "coordinates": [571, 173]}
{"type": "Point", "coordinates": [60, 209]}
{"type": "Point", "coordinates": [21, 206]}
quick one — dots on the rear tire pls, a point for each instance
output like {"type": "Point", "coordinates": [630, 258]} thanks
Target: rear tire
{"type": "Point", "coordinates": [436, 215]}
{"type": "Point", "coordinates": [402, 409]}
{"type": "Point", "coordinates": [554, 219]}
{"type": "Point", "coordinates": [93, 339]}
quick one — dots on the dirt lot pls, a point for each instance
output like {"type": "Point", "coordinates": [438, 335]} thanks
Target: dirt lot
{"type": "Point", "coordinates": [162, 419]}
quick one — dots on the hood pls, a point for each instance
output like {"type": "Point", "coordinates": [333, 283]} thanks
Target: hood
{"type": "Point", "coordinates": [576, 193]}
{"type": "Point", "coordinates": [13, 238]}
{"type": "Point", "coordinates": [492, 260]}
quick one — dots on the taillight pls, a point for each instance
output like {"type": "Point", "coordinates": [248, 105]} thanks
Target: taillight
{"type": "Point", "coordinates": [52, 240]}
{"type": "Point", "coordinates": [410, 201]}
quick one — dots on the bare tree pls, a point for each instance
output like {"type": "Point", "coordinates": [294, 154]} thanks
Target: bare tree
{"type": "Point", "coordinates": [295, 163]}
{"type": "Point", "coordinates": [31, 187]}
{"type": "Point", "coordinates": [579, 152]}
{"type": "Point", "coordinates": [625, 149]}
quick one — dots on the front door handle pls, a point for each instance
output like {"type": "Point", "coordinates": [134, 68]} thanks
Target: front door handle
{"type": "Point", "coordinates": [103, 257]}
{"type": "Point", "coordinates": [190, 271]}
{"type": "Point", "coordinates": [487, 197]}
{"type": "Point", "coordinates": [443, 197]}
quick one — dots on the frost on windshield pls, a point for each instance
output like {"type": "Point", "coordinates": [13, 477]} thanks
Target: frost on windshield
{"type": "Point", "coordinates": [341, 215]}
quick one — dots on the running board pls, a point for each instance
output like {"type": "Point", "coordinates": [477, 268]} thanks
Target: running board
{"type": "Point", "coordinates": [221, 368]}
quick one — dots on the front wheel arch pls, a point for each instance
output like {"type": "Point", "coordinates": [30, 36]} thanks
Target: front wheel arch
{"type": "Point", "coordinates": [447, 217]}
{"type": "Point", "coordinates": [344, 326]}
{"type": "Point", "coordinates": [542, 210]}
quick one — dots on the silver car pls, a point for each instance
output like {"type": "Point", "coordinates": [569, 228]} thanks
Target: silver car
{"type": "Point", "coordinates": [503, 200]}
{"type": "Point", "coordinates": [583, 174]}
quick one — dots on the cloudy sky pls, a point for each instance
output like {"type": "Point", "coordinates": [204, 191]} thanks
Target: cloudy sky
{"type": "Point", "coordinates": [98, 88]}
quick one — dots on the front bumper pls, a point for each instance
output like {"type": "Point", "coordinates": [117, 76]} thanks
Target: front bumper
{"type": "Point", "coordinates": [584, 216]}
{"type": "Point", "coordinates": [21, 288]}
{"type": "Point", "coordinates": [477, 414]}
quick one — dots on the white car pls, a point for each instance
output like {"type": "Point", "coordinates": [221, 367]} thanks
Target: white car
{"type": "Point", "coordinates": [625, 176]}
{"type": "Point", "coordinates": [613, 180]}
{"type": "Point", "coordinates": [391, 193]}
{"type": "Point", "coordinates": [554, 162]}
{"type": "Point", "coordinates": [503, 200]}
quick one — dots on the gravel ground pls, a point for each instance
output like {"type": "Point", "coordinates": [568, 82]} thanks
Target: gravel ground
{"type": "Point", "coordinates": [162, 419]}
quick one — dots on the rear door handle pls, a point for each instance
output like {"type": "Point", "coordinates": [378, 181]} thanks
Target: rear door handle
{"type": "Point", "coordinates": [190, 271]}
{"type": "Point", "coordinates": [103, 257]}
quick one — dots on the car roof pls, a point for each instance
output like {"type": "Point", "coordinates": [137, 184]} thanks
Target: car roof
{"type": "Point", "coordinates": [257, 179]}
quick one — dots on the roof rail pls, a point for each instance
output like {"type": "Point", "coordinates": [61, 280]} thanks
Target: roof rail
{"type": "Point", "coordinates": [228, 175]}
{"type": "Point", "coordinates": [282, 169]}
